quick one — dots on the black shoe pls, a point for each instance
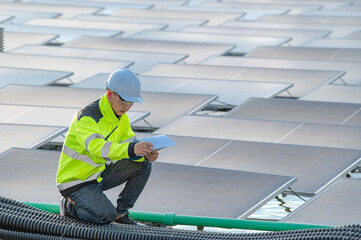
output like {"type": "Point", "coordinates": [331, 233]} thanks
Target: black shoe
{"type": "Point", "coordinates": [126, 220]}
{"type": "Point", "coordinates": [63, 210]}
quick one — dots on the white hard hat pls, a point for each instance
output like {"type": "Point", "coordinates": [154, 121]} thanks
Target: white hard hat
{"type": "Point", "coordinates": [126, 84]}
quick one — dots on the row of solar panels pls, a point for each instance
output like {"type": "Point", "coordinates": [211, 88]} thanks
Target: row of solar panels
{"type": "Point", "coordinates": [261, 141]}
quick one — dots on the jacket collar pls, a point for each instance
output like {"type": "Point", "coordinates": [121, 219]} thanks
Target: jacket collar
{"type": "Point", "coordinates": [107, 110]}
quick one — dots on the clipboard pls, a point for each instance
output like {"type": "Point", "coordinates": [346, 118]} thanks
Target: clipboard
{"type": "Point", "coordinates": [159, 141]}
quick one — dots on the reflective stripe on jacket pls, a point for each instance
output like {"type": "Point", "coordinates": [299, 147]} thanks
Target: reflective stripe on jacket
{"type": "Point", "coordinates": [85, 151]}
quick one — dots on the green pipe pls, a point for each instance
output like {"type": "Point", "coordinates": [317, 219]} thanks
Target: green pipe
{"type": "Point", "coordinates": [172, 219]}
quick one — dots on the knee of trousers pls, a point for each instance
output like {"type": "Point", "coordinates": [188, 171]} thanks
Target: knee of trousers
{"type": "Point", "coordinates": [107, 216]}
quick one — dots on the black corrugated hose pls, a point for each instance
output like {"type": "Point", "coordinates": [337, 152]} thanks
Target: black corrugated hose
{"type": "Point", "coordinates": [20, 221]}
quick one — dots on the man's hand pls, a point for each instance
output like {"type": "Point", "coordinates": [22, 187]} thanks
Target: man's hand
{"type": "Point", "coordinates": [152, 156]}
{"type": "Point", "coordinates": [143, 148]}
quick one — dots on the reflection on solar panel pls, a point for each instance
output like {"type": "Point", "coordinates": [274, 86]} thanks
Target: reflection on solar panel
{"type": "Point", "coordinates": [352, 69]}
{"type": "Point", "coordinates": [331, 54]}
{"type": "Point", "coordinates": [82, 68]}
{"type": "Point", "coordinates": [213, 18]}
{"type": "Point", "coordinates": [334, 43]}
{"type": "Point", "coordinates": [30, 76]}
{"type": "Point", "coordinates": [27, 136]}
{"type": "Point", "coordinates": [127, 28]}
{"type": "Point", "coordinates": [230, 92]}
{"type": "Point", "coordinates": [48, 116]}
{"type": "Point", "coordinates": [196, 51]}
{"type": "Point", "coordinates": [266, 131]}
{"type": "Point", "coordinates": [335, 93]}
{"type": "Point", "coordinates": [296, 111]}
{"type": "Point", "coordinates": [298, 36]}
{"type": "Point", "coordinates": [17, 39]}
{"type": "Point", "coordinates": [201, 191]}
{"type": "Point", "coordinates": [336, 206]}
{"type": "Point", "coordinates": [142, 61]}
{"type": "Point", "coordinates": [164, 107]}
{"type": "Point", "coordinates": [172, 24]}
{"type": "Point", "coordinates": [243, 44]}
{"type": "Point", "coordinates": [314, 167]}
{"type": "Point", "coordinates": [304, 80]}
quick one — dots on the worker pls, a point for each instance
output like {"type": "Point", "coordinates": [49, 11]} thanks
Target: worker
{"type": "Point", "coordinates": [101, 152]}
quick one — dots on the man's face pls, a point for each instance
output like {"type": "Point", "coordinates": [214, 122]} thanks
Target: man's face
{"type": "Point", "coordinates": [119, 106]}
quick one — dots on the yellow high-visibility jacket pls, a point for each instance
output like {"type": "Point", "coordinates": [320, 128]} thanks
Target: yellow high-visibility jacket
{"type": "Point", "coordinates": [86, 149]}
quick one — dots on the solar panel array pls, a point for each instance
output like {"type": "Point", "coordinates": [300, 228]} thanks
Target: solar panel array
{"type": "Point", "coordinates": [256, 94]}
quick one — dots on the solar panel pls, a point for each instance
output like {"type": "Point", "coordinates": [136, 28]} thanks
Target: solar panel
{"type": "Point", "coordinates": [164, 107]}
{"type": "Point", "coordinates": [37, 185]}
{"type": "Point", "coordinates": [167, 107]}
{"type": "Point", "coordinates": [335, 93]}
{"type": "Point", "coordinates": [17, 39]}
{"type": "Point", "coordinates": [354, 35]}
{"type": "Point", "coordinates": [27, 136]}
{"type": "Point", "coordinates": [349, 20]}
{"type": "Point", "coordinates": [315, 167]}
{"type": "Point", "coordinates": [48, 116]}
{"type": "Point", "coordinates": [352, 69]}
{"type": "Point", "coordinates": [334, 43]}
{"type": "Point", "coordinates": [30, 76]}
{"type": "Point", "coordinates": [331, 12]}
{"type": "Point", "coordinates": [331, 54]}
{"type": "Point", "coordinates": [196, 51]}
{"type": "Point", "coordinates": [336, 206]}
{"type": "Point", "coordinates": [243, 44]}
{"type": "Point", "coordinates": [296, 111]}
{"type": "Point", "coordinates": [127, 28]}
{"type": "Point", "coordinates": [23, 16]}
{"type": "Point", "coordinates": [213, 18]}
{"type": "Point", "coordinates": [266, 131]}
{"type": "Point", "coordinates": [174, 185]}
{"type": "Point", "coordinates": [298, 37]}
{"type": "Point", "coordinates": [65, 34]}
{"type": "Point", "coordinates": [229, 92]}
{"type": "Point", "coordinates": [172, 24]}
{"type": "Point", "coordinates": [304, 80]}
{"type": "Point", "coordinates": [294, 8]}
{"type": "Point", "coordinates": [338, 29]}
{"type": "Point", "coordinates": [201, 191]}
{"type": "Point", "coordinates": [107, 7]}
{"type": "Point", "coordinates": [5, 17]}
{"type": "Point", "coordinates": [142, 61]}
{"type": "Point", "coordinates": [325, 4]}
{"type": "Point", "coordinates": [55, 96]}
{"type": "Point", "coordinates": [66, 10]}
{"type": "Point", "coordinates": [82, 68]}
{"type": "Point", "coordinates": [250, 13]}
{"type": "Point", "coordinates": [325, 135]}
